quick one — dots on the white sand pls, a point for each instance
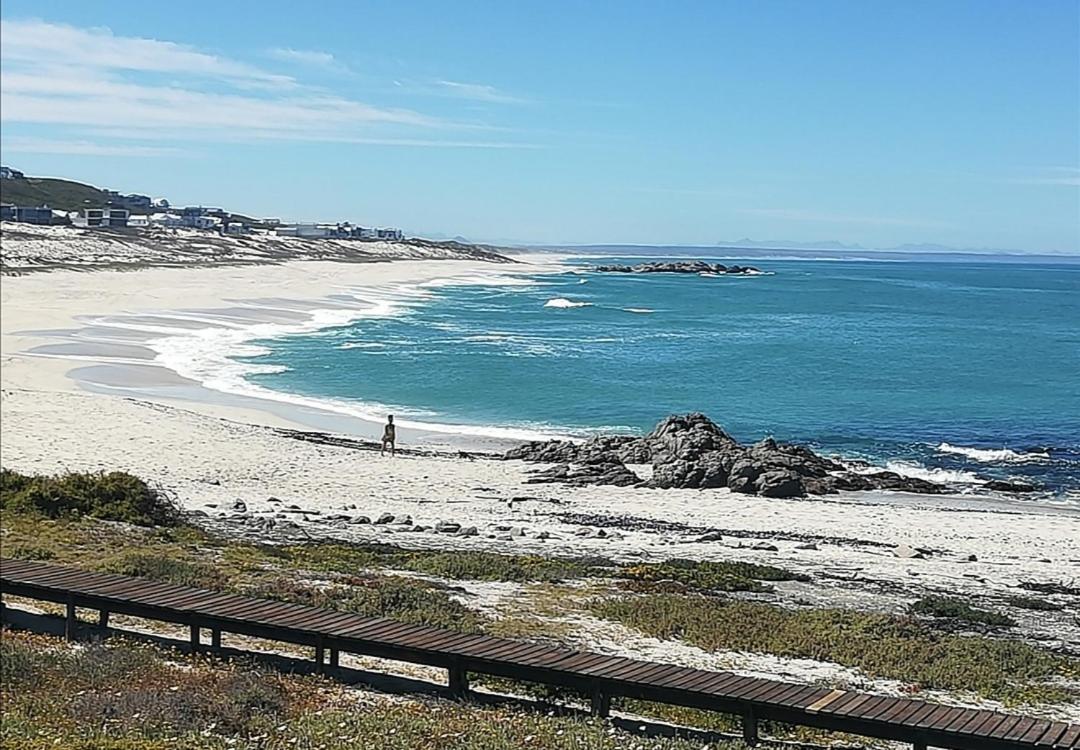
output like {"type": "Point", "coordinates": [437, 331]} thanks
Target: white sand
{"type": "Point", "coordinates": [211, 453]}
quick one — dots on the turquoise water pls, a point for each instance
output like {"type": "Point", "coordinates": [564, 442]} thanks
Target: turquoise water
{"type": "Point", "coordinates": [882, 361]}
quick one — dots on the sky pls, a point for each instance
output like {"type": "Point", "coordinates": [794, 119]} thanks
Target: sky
{"type": "Point", "coordinates": [879, 124]}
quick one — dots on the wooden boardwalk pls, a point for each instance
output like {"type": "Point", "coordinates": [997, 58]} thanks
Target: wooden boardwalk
{"type": "Point", "coordinates": [331, 632]}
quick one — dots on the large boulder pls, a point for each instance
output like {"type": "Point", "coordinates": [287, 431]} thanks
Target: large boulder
{"type": "Point", "coordinates": [687, 437]}
{"type": "Point", "coordinates": [779, 483]}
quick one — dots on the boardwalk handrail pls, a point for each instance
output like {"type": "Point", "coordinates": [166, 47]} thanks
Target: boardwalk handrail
{"type": "Point", "coordinates": [921, 723]}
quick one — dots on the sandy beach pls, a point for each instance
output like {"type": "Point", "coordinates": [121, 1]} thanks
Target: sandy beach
{"type": "Point", "coordinates": [73, 401]}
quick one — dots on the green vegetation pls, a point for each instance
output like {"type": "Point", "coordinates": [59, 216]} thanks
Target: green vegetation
{"type": "Point", "coordinates": [127, 696]}
{"type": "Point", "coordinates": [1030, 602]}
{"type": "Point", "coordinates": [458, 565]}
{"type": "Point", "coordinates": [113, 496]}
{"type": "Point", "coordinates": [880, 645]}
{"type": "Point", "coordinates": [64, 195]}
{"type": "Point", "coordinates": [402, 599]}
{"type": "Point", "coordinates": [676, 576]}
{"type": "Point", "coordinates": [957, 609]}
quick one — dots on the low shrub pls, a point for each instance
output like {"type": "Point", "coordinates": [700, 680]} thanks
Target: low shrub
{"type": "Point", "coordinates": [957, 609]}
{"type": "Point", "coordinates": [112, 496]}
{"type": "Point", "coordinates": [1030, 602]}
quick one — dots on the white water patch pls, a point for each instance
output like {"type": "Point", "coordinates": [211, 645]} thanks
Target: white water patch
{"type": "Point", "coordinates": [565, 304]}
{"type": "Point", "coordinates": [942, 476]}
{"type": "Point", "coordinates": [990, 455]}
{"type": "Point", "coordinates": [639, 310]}
{"type": "Point", "coordinates": [361, 345]}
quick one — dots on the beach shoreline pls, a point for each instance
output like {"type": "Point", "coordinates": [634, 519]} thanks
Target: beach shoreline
{"type": "Point", "coordinates": [212, 453]}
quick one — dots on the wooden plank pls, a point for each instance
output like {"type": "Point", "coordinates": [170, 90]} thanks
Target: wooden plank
{"type": "Point", "coordinates": [1001, 729]}
{"type": "Point", "coordinates": [825, 701]}
{"type": "Point", "coordinates": [935, 717]}
{"type": "Point", "coordinates": [1035, 731]}
{"type": "Point", "coordinates": [1069, 739]}
{"type": "Point", "coordinates": [1019, 729]}
{"type": "Point", "coordinates": [1052, 734]}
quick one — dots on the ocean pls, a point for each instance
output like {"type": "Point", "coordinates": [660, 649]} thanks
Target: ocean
{"type": "Point", "coordinates": [959, 371]}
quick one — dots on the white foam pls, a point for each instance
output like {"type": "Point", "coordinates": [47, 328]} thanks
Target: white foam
{"type": "Point", "coordinates": [361, 345]}
{"type": "Point", "coordinates": [918, 471]}
{"type": "Point", "coordinates": [990, 455]}
{"type": "Point", "coordinates": [640, 310]}
{"type": "Point", "coordinates": [563, 303]}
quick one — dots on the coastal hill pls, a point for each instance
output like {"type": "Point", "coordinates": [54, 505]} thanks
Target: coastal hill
{"type": "Point", "coordinates": [56, 193]}
{"type": "Point", "coordinates": [27, 247]}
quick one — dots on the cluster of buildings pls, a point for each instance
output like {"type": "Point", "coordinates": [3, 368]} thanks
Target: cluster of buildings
{"type": "Point", "coordinates": [122, 211]}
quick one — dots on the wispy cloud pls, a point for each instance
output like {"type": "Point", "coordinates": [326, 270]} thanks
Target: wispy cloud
{"type": "Point", "coordinates": [304, 57]}
{"type": "Point", "coordinates": [86, 148]}
{"type": "Point", "coordinates": [1067, 176]}
{"type": "Point", "coordinates": [478, 92]}
{"type": "Point", "coordinates": [83, 81]}
{"type": "Point", "coordinates": [40, 42]}
{"type": "Point", "coordinates": [803, 215]}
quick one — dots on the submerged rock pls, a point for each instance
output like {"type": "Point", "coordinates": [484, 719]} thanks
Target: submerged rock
{"type": "Point", "coordinates": [679, 266]}
{"type": "Point", "coordinates": [1002, 485]}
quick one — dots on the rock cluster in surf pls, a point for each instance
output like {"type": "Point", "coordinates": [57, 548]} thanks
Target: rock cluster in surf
{"type": "Point", "coordinates": [694, 452]}
{"type": "Point", "coordinates": [679, 266]}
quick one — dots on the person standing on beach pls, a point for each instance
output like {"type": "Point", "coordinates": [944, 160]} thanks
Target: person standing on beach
{"type": "Point", "coordinates": [389, 436]}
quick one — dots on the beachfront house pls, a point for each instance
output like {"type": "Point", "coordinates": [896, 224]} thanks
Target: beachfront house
{"type": "Point", "coordinates": [27, 214]}
{"type": "Point", "coordinates": [7, 173]}
{"type": "Point", "coordinates": [138, 220]}
{"type": "Point", "coordinates": [100, 218]}
{"type": "Point", "coordinates": [307, 231]}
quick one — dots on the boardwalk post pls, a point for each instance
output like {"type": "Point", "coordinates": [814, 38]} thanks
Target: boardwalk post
{"type": "Point", "coordinates": [103, 619]}
{"type": "Point", "coordinates": [458, 681]}
{"type": "Point", "coordinates": [749, 727]}
{"type": "Point", "coordinates": [600, 704]}
{"type": "Point", "coordinates": [918, 745]}
{"type": "Point", "coordinates": [70, 623]}
{"type": "Point", "coordinates": [215, 639]}
{"type": "Point", "coordinates": [334, 658]}
{"type": "Point", "coordinates": [320, 656]}
{"type": "Point", "coordinates": [195, 637]}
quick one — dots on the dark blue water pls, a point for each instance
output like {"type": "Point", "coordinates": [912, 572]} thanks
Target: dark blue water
{"type": "Point", "coordinates": [885, 361]}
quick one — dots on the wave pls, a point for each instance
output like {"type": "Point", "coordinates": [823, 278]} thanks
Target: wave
{"type": "Point", "coordinates": [641, 310]}
{"type": "Point", "coordinates": [942, 476]}
{"type": "Point", "coordinates": [565, 304]}
{"type": "Point", "coordinates": [361, 345]}
{"type": "Point", "coordinates": [990, 455]}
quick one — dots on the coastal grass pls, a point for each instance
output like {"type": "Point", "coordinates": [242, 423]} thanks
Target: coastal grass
{"type": "Point", "coordinates": [458, 565]}
{"type": "Point", "coordinates": [122, 695]}
{"type": "Point", "coordinates": [678, 575]}
{"type": "Point", "coordinates": [882, 646]}
{"type": "Point", "coordinates": [957, 609]}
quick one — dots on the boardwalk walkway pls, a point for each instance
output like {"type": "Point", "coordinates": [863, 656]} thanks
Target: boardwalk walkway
{"type": "Point", "coordinates": [331, 632]}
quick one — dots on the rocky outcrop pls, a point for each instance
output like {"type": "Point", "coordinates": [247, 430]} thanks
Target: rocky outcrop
{"type": "Point", "coordinates": [692, 452]}
{"type": "Point", "coordinates": [680, 266]}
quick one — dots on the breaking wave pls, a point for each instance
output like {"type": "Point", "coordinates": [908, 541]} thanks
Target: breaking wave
{"type": "Point", "coordinates": [991, 455]}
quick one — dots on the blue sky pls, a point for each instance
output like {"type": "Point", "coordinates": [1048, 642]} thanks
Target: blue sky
{"type": "Point", "coordinates": [685, 123]}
